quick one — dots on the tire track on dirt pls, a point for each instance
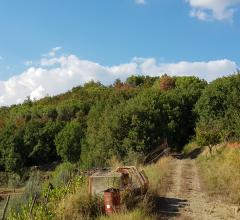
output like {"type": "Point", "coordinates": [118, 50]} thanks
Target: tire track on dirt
{"type": "Point", "coordinates": [186, 200]}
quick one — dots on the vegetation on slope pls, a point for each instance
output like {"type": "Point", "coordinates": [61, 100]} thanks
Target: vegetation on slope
{"type": "Point", "coordinates": [92, 123]}
{"type": "Point", "coordinates": [218, 110]}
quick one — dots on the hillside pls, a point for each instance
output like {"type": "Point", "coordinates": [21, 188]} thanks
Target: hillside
{"type": "Point", "coordinates": [91, 123]}
{"type": "Point", "coordinates": [97, 126]}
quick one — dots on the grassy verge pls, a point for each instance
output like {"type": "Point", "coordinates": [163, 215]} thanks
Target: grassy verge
{"type": "Point", "coordinates": [159, 175]}
{"type": "Point", "coordinates": [220, 172]}
{"type": "Point", "coordinates": [71, 201]}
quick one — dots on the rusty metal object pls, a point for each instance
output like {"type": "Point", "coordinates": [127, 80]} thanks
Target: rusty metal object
{"type": "Point", "coordinates": [103, 180]}
{"type": "Point", "coordinates": [136, 179]}
{"type": "Point", "coordinates": [111, 201]}
{"type": "Point", "coordinates": [123, 178]}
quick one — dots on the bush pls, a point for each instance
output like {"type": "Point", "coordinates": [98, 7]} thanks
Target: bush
{"type": "Point", "coordinates": [218, 111]}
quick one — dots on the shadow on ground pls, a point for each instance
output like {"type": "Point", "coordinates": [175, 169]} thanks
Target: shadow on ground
{"type": "Point", "coordinates": [194, 154]}
{"type": "Point", "coordinates": [170, 207]}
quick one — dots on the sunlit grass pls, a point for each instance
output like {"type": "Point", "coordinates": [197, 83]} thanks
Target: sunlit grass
{"type": "Point", "coordinates": [221, 172]}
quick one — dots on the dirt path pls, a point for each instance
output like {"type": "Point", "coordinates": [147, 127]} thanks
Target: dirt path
{"type": "Point", "coordinates": [185, 199]}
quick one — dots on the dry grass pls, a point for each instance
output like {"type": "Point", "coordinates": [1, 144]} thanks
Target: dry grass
{"type": "Point", "coordinates": [79, 205]}
{"type": "Point", "coordinates": [221, 172]}
{"type": "Point", "coordinates": [137, 214]}
{"type": "Point", "coordinates": [72, 202]}
{"type": "Point", "coordinates": [159, 175]}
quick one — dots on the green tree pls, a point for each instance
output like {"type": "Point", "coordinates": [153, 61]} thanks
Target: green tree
{"type": "Point", "coordinates": [219, 105]}
{"type": "Point", "coordinates": [68, 141]}
{"type": "Point", "coordinates": [12, 148]}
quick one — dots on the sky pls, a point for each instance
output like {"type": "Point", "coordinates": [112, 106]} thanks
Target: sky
{"type": "Point", "coordinates": [48, 47]}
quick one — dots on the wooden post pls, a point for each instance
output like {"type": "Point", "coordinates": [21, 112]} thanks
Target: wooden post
{"type": "Point", "coordinates": [210, 149]}
{"type": "Point", "coordinates": [33, 203]}
{"type": "Point", "coordinates": [5, 207]}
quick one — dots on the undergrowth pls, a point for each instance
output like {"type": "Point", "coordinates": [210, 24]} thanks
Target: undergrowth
{"type": "Point", "coordinates": [68, 198]}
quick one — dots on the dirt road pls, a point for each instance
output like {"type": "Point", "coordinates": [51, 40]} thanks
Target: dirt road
{"type": "Point", "coordinates": [186, 200]}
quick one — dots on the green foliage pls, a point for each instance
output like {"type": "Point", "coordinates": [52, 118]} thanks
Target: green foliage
{"type": "Point", "coordinates": [218, 110]}
{"type": "Point", "coordinates": [91, 123]}
{"type": "Point", "coordinates": [10, 148]}
{"type": "Point", "coordinates": [62, 174]}
{"type": "Point", "coordinates": [135, 80]}
{"type": "Point", "coordinates": [68, 141]}
{"type": "Point", "coordinates": [14, 181]}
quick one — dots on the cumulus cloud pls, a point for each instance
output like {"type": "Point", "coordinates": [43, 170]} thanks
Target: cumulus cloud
{"type": "Point", "coordinates": [213, 9]}
{"type": "Point", "coordinates": [59, 74]}
{"type": "Point", "coordinates": [140, 2]}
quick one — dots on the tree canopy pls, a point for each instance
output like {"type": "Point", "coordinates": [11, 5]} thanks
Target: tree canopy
{"type": "Point", "coordinates": [92, 123]}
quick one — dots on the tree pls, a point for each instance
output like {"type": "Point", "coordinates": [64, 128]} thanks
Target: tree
{"type": "Point", "coordinates": [68, 141]}
{"type": "Point", "coordinates": [167, 82]}
{"type": "Point", "coordinates": [12, 148]}
{"type": "Point", "coordinates": [219, 105]}
{"type": "Point", "coordinates": [39, 141]}
{"type": "Point", "coordinates": [135, 80]}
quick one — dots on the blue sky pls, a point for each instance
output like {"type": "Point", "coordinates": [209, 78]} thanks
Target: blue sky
{"type": "Point", "coordinates": [153, 35]}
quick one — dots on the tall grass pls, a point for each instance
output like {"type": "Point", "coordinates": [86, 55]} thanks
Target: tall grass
{"type": "Point", "coordinates": [159, 175]}
{"type": "Point", "coordinates": [220, 172]}
{"type": "Point", "coordinates": [79, 205]}
{"type": "Point", "coordinates": [71, 201]}
{"type": "Point", "coordinates": [136, 214]}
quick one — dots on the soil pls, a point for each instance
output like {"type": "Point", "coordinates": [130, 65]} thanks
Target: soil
{"type": "Point", "coordinates": [187, 200]}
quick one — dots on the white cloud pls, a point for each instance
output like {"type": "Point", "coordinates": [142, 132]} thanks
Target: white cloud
{"type": "Point", "coordinates": [213, 9]}
{"type": "Point", "coordinates": [59, 74]}
{"type": "Point", "coordinates": [28, 62]}
{"type": "Point", "coordinates": [52, 52]}
{"type": "Point", "coordinates": [207, 70]}
{"type": "Point", "coordinates": [140, 2]}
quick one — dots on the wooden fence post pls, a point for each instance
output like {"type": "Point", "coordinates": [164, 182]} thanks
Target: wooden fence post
{"type": "Point", "coordinates": [33, 203]}
{"type": "Point", "coordinates": [5, 207]}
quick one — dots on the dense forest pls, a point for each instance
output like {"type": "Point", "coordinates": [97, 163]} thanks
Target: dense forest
{"type": "Point", "coordinates": [92, 123]}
